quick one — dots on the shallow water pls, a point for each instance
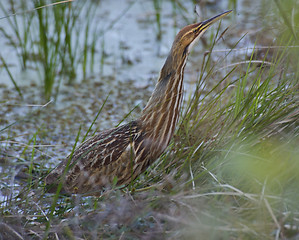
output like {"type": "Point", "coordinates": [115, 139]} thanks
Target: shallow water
{"type": "Point", "coordinates": [133, 58]}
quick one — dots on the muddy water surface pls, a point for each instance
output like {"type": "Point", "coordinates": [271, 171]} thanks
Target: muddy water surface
{"type": "Point", "coordinates": [132, 59]}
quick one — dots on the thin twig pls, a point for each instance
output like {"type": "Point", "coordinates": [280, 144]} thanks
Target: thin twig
{"type": "Point", "coordinates": [9, 230]}
{"type": "Point", "coordinates": [32, 10]}
{"type": "Point", "coordinates": [244, 62]}
{"type": "Point", "coordinates": [273, 217]}
{"type": "Point", "coordinates": [251, 48]}
{"type": "Point", "coordinates": [192, 177]}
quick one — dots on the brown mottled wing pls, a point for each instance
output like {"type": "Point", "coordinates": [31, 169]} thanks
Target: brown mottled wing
{"type": "Point", "coordinates": [98, 160]}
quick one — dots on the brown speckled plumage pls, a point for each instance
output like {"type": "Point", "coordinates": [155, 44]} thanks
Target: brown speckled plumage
{"type": "Point", "coordinates": [123, 153]}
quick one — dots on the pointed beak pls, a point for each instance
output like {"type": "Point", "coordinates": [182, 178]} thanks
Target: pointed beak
{"type": "Point", "coordinates": [205, 24]}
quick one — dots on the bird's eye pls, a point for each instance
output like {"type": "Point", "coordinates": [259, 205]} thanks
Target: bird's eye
{"type": "Point", "coordinates": [195, 31]}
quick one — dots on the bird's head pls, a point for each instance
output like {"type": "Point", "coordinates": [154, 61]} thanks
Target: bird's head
{"type": "Point", "coordinates": [185, 40]}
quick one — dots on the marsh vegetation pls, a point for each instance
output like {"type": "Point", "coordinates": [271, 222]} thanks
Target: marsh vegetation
{"type": "Point", "coordinates": [230, 171]}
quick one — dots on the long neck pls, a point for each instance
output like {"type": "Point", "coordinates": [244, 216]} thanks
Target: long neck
{"type": "Point", "coordinates": [160, 115]}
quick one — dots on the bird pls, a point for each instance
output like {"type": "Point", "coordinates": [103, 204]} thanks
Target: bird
{"type": "Point", "coordinates": [119, 155]}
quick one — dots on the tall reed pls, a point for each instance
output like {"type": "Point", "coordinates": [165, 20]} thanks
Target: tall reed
{"type": "Point", "coordinates": [54, 39]}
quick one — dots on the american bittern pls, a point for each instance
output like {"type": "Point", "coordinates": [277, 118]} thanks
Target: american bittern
{"type": "Point", "coordinates": [121, 154]}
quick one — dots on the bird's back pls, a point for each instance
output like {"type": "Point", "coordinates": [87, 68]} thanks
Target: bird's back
{"type": "Point", "coordinates": [99, 161]}
{"type": "Point", "coordinates": [118, 155]}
